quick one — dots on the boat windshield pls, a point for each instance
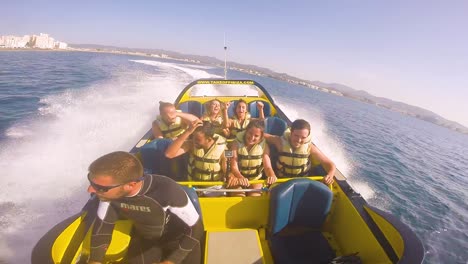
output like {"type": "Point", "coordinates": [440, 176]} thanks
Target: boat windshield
{"type": "Point", "coordinates": [225, 88]}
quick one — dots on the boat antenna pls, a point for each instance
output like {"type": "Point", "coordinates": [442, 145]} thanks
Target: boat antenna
{"type": "Point", "coordinates": [225, 58]}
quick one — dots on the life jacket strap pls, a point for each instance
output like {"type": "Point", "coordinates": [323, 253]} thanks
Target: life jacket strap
{"type": "Point", "coordinates": [293, 155]}
{"type": "Point", "coordinates": [205, 160]}
{"type": "Point", "coordinates": [165, 132]}
{"type": "Point", "coordinates": [249, 157]}
{"type": "Point", "coordinates": [199, 173]}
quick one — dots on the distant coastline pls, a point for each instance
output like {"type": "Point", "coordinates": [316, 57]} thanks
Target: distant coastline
{"type": "Point", "coordinates": [33, 49]}
{"type": "Point", "coordinates": [332, 88]}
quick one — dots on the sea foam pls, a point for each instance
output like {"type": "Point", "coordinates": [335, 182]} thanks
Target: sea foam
{"type": "Point", "coordinates": [44, 162]}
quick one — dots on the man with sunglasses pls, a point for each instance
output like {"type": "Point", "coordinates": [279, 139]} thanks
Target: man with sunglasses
{"type": "Point", "coordinates": [167, 227]}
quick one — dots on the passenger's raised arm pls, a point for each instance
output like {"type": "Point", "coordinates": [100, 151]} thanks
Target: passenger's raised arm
{"type": "Point", "coordinates": [187, 117]}
{"type": "Point", "coordinates": [273, 140]}
{"type": "Point", "coordinates": [226, 120]}
{"type": "Point", "coordinates": [260, 106]}
{"type": "Point", "coordinates": [181, 145]}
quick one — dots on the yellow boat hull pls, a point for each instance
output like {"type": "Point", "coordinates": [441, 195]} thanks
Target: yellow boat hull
{"type": "Point", "coordinates": [237, 228]}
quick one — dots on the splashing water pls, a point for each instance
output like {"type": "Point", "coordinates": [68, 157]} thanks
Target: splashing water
{"type": "Point", "coordinates": [45, 159]}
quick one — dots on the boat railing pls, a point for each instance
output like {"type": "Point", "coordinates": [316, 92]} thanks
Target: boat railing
{"type": "Point", "coordinates": [198, 185]}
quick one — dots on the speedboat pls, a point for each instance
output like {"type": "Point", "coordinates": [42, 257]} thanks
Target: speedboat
{"type": "Point", "coordinates": [296, 220]}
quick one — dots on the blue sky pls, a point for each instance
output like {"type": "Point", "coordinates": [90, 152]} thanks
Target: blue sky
{"type": "Point", "coordinates": [410, 51]}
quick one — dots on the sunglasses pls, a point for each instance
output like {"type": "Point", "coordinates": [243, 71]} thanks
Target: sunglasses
{"type": "Point", "coordinates": [103, 189]}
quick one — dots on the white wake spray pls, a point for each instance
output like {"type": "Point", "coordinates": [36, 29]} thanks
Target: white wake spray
{"type": "Point", "coordinates": [44, 162]}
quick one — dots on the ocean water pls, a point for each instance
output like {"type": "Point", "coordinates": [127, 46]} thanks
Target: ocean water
{"type": "Point", "coordinates": [61, 110]}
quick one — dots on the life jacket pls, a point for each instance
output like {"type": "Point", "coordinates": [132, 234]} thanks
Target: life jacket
{"type": "Point", "coordinates": [293, 163]}
{"type": "Point", "coordinates": [206, 166]}
{"type": "Point", "coordinates": [250, 163]}
{"type": "Point", "coordinates": [170, 131]}
{"type": "Point", "coordinates": [217, 124]}
{"type": "Point", "coordinates": [237, 126]}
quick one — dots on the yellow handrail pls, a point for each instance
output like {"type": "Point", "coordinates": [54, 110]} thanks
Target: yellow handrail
{"type": "Point", "coordinates": [264, 182]}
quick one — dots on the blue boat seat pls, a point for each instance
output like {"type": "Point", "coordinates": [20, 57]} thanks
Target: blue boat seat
{"type": "Point", "coordinates": [232, 108]}
{"type": "Point", "coordinates": [192, 107]}
{"type": "Point", "coordinates": [298, 209]}
{"type": "Point", "coordinates": [153, 157]}
{"type": "Point", "coordinates": [275, 126]}
{"type": "Point", "coordinates": [155, 161]}
{"type": "Point", "coordinates": [252, 108]}
{"type": "Point", "coordinates": [254, 111]}
{"type": "Point", "coordinates": [193, 197]}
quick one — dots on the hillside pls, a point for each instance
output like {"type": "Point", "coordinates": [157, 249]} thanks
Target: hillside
{"type": "Point", "coordinates": [334, 88]}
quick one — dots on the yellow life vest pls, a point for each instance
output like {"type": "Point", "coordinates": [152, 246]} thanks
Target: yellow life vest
{"type": "Point", "coordinates": [250, 162]}
{"type": "Point", "coordinates": [237, 126]}
{"type": "Point", "coordinates": [206, 166]}
{"type": "Point", "coordinates": [293, 162]}
{"type": "Point", "coordinates": [170, 131]}
{"type": "Point", "coordinates": [217, 124]}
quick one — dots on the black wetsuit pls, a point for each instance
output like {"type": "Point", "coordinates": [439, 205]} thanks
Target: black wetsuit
{"type": "Point", "coordinates": [166, 224]}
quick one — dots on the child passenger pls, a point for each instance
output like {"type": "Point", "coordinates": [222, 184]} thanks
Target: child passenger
{"type": "Point", "coordinates": [251, 156]}
{"type": "Point", "coordinates": [241, 118]}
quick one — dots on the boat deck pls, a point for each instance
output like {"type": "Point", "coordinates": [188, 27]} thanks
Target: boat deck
{"type": "Point", "coordinates": [233, 247]}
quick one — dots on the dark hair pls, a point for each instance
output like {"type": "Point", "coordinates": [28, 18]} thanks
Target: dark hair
{"type": "Point", "coordinates": [300, 124]}
{"type": "Point", "coordinates": [256, 123]}
{"type": "Point", "coordinates": [207, 129]}
{"type": "Point", "coordinates": [122, 166]}
{"type": "Point", "coordinates": [163, 105]}
{"type": "Point", "coordinates": [237, 103]}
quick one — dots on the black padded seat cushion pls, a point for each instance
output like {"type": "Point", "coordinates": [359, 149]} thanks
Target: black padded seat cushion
{"type": "Point", "coordinates": [306, 247]}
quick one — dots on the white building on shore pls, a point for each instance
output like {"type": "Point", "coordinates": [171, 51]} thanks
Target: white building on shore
{"type": "Point", "coordinates": [61, 45]}
{"type": "Point", "coordinates": [14, 41]}
{"type": "Point", "coordinates": [43, 41]}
